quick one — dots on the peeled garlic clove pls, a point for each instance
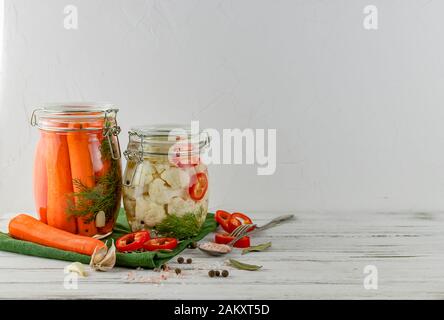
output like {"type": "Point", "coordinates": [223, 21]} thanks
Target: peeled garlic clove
{"type": "Point", "coordinates": [100, 219]}
{"type": "Point", "coordinates": [78, 268]}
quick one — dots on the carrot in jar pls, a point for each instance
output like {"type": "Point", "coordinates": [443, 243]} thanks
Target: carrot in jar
{"type": "Point", "coordinates": [105, 158]}
{"type": "Point", "coordinates": [94, 149]}
{"type": "Point", "coordinates": [59, 182]}
{"type": "Point", "coordinates": [82, 170]}
{"type": "Point", "coordinates": [40, 183]}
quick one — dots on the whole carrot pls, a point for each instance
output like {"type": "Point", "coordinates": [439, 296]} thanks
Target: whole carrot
{"type": "Point", "coordinates": [25, 227]}
{"type": "Point", "coordinates": [40, 179]}
{"type": "Point", "coordinates": [82, 170]}
{"type": "Point", "coordinates": [59, 182]}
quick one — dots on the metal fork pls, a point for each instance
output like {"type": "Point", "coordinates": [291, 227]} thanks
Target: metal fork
{"type": "Point", "coordinates": [241, 229]}
{"type": "Point", "coordinates": [245, 227]}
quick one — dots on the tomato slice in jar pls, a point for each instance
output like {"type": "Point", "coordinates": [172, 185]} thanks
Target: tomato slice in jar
{"type": "Point", "coordinates": [160, 244]}
{"type": "Point", "coordinates": [132, 241]}
{"type": "Point", "coordinates": [224, 238]}
{"type": "Point", "coordinates": [238, 219]}
{"type": "Point", "coordinates": [198, 186]}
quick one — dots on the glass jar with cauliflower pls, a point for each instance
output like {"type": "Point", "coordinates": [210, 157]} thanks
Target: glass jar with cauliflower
{"type": "Point", "coordinates": [165, 182]}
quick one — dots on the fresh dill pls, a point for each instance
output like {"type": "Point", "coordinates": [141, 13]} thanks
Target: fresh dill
{"type": "Point", "coordinates": [186, 226]}
{"type": "Point", "coordinates": [88, 201]}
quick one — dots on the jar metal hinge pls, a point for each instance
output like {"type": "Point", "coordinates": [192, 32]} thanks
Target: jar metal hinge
{"type": "Point", "coordinates": [133, 156]}
{"type": "Point", "coordinates": [112, 131]}
{"type": "Point", "coordinates": [34, 116]}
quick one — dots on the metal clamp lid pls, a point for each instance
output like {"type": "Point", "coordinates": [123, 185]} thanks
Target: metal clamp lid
{"type": "Point", "coordinates": [134, 156]}
{"type": "Point", "coordinates": [112, 131]}
{"type": "Point", "coordinates": [84, 112]}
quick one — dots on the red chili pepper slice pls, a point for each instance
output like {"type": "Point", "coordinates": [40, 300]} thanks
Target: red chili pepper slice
{"type": "Point", "coordinates": [160, 244]}
{"type": "Point", "coordinates": [198, 186]}
{"type": "Point", "coordinates": [223, 217]}
{"type": "Point", "coordinates": [132, 241]}
{"type": "Point", "coordinates": [237, 219]}
{"type": "Point", "coordinates": [224, 238]}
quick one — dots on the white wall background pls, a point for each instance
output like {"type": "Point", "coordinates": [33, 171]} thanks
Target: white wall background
{"type": "Point", "coordinates": [359, 114]}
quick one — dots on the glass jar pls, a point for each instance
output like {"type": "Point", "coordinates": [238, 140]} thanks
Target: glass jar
{"type": "Point", "coordinates": [77, 167]}
{"type": "Point", "coordinates": [165, 184]}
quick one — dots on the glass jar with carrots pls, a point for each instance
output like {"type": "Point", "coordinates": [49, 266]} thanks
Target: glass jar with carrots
{"type": "Point", "coordinates": [77, 167]}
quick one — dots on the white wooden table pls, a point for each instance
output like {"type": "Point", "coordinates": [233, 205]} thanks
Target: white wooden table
{"type": "Point", "coordinates": [316, 256]}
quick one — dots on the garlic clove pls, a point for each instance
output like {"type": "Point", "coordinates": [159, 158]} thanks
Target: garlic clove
{"type": "Point", "coordinates": [77, 267]}
{"type": "Point", "coordinates": [98, 255]}
{"type": "Point", "coordinates": [100, 219]}
{"type": "Point", "coordinates": [101, 236]}
{"type": "Point", "coordinates": [104, 262]}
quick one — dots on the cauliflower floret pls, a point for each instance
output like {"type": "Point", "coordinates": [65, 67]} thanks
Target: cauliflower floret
{"type": "Point", "coordinates": [161, 167]}
{"type": "Point", "coordinates": [161, 193]}
{"type": "Point", "coordinates": [180, 207]}
{"type": "Point", "coordinates": [148, 212]}
{"type": "Point", "coordinates": [144, 174]}
{"type": "Point", "coordinates": [176, 178]}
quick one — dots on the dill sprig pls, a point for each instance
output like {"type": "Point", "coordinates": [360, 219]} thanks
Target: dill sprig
{"type": "Point", "coordinates": [186, 226]}
{"type": "Point", "coordinates": [88, 201]}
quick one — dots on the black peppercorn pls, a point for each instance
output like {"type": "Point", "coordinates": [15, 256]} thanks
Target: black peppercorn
{"type": "Point", "coordinates": [217, 273]}
{"type": "Point", "coordinates": [180, 260]}
{"type": "Point", "coordinates": [177, 270]}
{"type": "Point", "coordinates": [189, 260]}
{"type": "Point", "coordinates": [193, 245]}
{"type": "Point", "coordinates": [211, 273]}
{"type": "Point", "coordinates": [225, 273]}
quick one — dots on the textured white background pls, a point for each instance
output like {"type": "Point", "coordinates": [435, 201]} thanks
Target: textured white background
{"type": "Point", "coordinates": [359, 113]}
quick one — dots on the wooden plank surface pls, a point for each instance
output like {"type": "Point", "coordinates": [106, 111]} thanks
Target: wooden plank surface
{"type": "Point", "coordinates": [316, 256]}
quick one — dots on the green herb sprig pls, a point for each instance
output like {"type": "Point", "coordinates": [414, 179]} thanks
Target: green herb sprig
{"type": "Point", "coordinates": [88, 201]}
{"type": "Point", "coordinates": [184, 227]}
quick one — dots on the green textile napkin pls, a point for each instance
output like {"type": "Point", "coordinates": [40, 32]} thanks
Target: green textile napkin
{"type": "Point", "coordinates": [147, 260]}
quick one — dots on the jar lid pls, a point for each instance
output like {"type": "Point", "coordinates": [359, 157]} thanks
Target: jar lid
{"type": "Point", "coordinates": [158, 139]}
{"type": "Point", "coordinates": [162, 131]}
{"type": "Point", "coordinates": [59, 116]}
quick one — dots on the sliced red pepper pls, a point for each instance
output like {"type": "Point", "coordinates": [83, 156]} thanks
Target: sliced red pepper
{"type": "Point", "coordinates": [238, 219]}
{"type": "Point", "coordinates": [223, 217]}
{"type": "Point", "coordinates": [224, 238]}
{"type": "Point", "coordinates": [132, 241]}
{"type": "Point", "coordinates": [160, 244]}
{"type": "Point", "coordinates": [198, 186]}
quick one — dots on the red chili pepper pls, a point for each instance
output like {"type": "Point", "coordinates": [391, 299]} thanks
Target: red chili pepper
{"type": "Point", "coordinates": [160, 244]}
{"type": "Point", "coordinates": [224, 238]}
{"type": "Point", "coordinates": [223, 217]}
{"type": "Point", "coordinates": [132, 241]}
{"type": "Point", "coordinates": [198, 186]}
{"type": "Point", "coordinates": [238, 219]}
